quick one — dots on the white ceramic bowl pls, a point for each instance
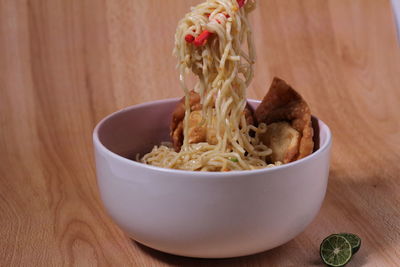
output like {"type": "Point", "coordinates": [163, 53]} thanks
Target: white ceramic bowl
{"type": "Point", "coordinates": [396, 12]}
{"type": "Point", "coordinates": [202, 214]}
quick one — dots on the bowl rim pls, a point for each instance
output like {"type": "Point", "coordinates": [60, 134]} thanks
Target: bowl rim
{"type": "Point", "coordinates": [99, 145]}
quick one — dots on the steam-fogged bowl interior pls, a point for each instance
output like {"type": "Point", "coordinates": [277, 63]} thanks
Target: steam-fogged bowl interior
{"type": "Point", "coordinates": [202, 214]}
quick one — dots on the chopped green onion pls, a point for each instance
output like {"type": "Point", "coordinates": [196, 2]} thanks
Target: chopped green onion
{"type": "Point", "coordinates": [234, 159]}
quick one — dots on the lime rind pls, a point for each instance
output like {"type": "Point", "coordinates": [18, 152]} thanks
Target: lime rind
{"type": "Point", "coordinates": [354, 241]}
{"type": "Point", "coordinates": [335, 250]}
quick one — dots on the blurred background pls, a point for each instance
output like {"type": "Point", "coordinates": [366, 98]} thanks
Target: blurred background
{"type": "Point", "coordinates": [99, 56]}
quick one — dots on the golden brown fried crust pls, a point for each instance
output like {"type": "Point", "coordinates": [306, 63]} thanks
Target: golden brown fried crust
{"type": "Point", "coordinates": [179, 112]}
{"type": "Point", "coordinates": [176, 132]}
{"type": "Point", "coordinates": [249, 115]}
{"type": "Point", "coordinates": [196, 133]}
{"type": "Point", "coordinates": [197, 130]}
{"type": "Point", "coordinates": [177, 136]}
{"type": "Point", "coordinates": [283, 103]}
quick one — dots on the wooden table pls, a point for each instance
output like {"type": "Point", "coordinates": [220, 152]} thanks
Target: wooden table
{"type": "Point", "coordinates": [66, 64]}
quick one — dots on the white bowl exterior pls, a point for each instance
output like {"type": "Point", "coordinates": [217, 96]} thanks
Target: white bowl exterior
{"type": "Point", "coordinates": [213, 214]}
{"type": "Point", "coordinates": [396, 12]}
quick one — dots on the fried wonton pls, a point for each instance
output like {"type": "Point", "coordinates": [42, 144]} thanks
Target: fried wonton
{"type": "Point", "coordinates": [283, 140]}
{"type": "Point", "coordinates": [197, 132]}
{"type": "Point", "coordinates": [176, 132]}
{"type": "Point", "coordinates": [288, 119]}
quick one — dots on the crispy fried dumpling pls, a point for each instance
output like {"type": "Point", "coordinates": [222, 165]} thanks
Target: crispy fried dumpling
{"type": "Point", "coordinates": [283, 140]}
{"type": "Point", "coordinates": [283, 106]}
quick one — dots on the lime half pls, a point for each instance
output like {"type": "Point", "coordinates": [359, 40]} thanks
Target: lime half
{"type": "Point", "coordinates": [354, 240]}
{"type": "Point", "coordinates": [335, 250]}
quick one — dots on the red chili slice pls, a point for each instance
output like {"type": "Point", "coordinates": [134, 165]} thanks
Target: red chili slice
{"type": "Point", "coordinates": [189, 38]}
{"type": "Point", "coordinates": [241, 2]}
{"type": "Point", "coordinates": [202, 38]}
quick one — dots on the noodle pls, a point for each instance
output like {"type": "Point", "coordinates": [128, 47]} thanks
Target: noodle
{"type": "Point", "coordinates": [224, 71]}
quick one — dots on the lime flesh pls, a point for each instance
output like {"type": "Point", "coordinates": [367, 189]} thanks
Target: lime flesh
{"type": "Point", "coordinates": [335, 250]}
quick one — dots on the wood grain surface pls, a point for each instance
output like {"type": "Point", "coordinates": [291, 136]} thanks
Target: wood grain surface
{"type": "Point", "coordinates": [65, 64]}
